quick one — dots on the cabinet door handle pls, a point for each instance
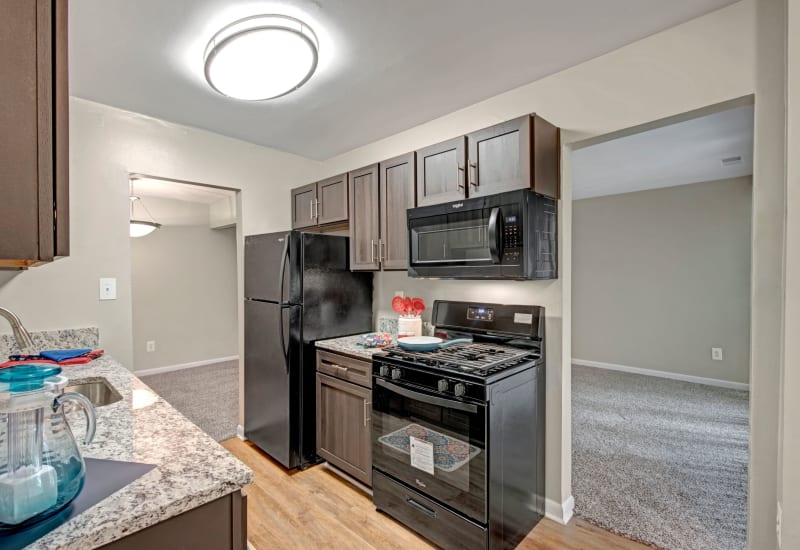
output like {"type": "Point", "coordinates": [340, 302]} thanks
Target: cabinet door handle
{"type": "Point", "coordinates": [473, 174]}
{"type": "Point", "coordinates": [460, 178]}
{"type": "Point", "coordinates": [311, 208]}
{"type": "Point", "coordinates": [372, 251]}
{"type": "Point", "coordinates": [381, 251]}
{"type": "Point", "coordinates": [366, 407]}
{"type": "Point", "coordinates": [316, 208]}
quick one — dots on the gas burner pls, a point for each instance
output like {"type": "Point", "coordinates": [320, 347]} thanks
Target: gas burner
{"type": "Point", "coordinates": [475, 358]}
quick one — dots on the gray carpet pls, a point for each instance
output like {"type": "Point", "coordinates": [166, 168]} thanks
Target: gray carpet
{"type": "Point", "coordinates": [208, 396]}
{"type": "Point", "coordinates": [660, 461]}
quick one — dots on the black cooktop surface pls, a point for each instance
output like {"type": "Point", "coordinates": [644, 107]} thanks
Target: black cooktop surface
{"type": "Point", "coordinates": [479, 359]}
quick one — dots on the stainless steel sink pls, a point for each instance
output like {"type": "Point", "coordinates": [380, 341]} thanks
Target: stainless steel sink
{"type": "Point", "coordinates": [99, 392]}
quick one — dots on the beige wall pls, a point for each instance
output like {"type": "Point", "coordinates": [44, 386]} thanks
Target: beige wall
{"type": "Point", "coordinates": [662, 276]}
{"type": "Point", "coordinates": [769, 213]}
{"type": "Point", "coordinates": [184, 295]}
{"type": "Point", "coordinates": [790, 435]}
{"type": "Point", "coordinates": [107, 144]}
{"type": "Point", "coordinates": [702, 62]}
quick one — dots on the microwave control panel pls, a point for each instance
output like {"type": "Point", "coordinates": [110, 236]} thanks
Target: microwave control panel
{"type": "Point", "coordinates": [512, 239]}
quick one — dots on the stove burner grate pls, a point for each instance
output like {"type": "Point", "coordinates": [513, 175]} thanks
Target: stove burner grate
{"type": "Point", "coordinates": [461, 357]}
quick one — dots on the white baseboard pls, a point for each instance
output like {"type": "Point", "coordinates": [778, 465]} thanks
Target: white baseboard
{"type": "Point", "coordinates": [170, 368]}
{"type": "Point", "coordinates": [240, 432]}
{"type": "Point", "coordinates": [559, 512]}
{"type": "Point", "coordinates": [664, 374]}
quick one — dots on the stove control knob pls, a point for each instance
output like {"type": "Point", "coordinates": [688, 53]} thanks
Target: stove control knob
{"type": "Point", "coordinates": [443, 385]}
{"type": "Point", "coordinates": [396, 374]}
{"type": "Point", "coordinates": [384, 370]}
{"type": "Point", "coordinates": [460, 389]}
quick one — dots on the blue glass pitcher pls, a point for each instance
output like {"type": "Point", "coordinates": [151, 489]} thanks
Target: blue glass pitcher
{"type": "Point", "coordinates": [41, 468]}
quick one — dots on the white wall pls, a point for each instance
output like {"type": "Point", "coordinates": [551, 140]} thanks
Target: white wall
{"type": "Point", "coordinates": [184, 295]}
{"type": "Point", "coordinates": [660, 277]}
{"type": "Point", "coordinates": [702, 62]}
{"type": "Point", "coordinates": [769, 214]}
{"type": "Point", "coordinates": [790, 434]}
{"type": "Point", "coordinates": [106, 144]}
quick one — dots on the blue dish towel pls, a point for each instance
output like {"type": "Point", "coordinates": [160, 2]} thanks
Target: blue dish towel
{"type": "Point", "coordinates": [59, 355]}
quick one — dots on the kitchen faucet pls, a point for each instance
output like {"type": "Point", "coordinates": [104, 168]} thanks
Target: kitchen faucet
{"type": "Point", "coordinates": [23, 338]}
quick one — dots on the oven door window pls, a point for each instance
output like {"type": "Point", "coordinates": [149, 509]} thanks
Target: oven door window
{"type": "Point", "coordinates": [453, 432]}
{"type": "Point", "coordinates": [448, 238]}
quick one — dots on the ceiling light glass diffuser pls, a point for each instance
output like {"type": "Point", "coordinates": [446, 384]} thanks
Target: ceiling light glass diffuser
{"type": "Point", "coordinates": [261, 57]}
{"type": "Point", "coordinates": [140, 228]}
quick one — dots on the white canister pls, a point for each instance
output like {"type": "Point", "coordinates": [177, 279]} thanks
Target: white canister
{"type": "Point", "coordinates": [409, 326]}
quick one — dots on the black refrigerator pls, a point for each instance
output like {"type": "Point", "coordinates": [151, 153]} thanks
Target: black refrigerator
{"type": "Point", "coordinates": [298, 289]}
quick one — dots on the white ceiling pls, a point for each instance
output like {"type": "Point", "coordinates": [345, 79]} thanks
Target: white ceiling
{"type": "Point", "coordinates": [180, 191]}
{"type": "Point", "coordinates": [385, 65]}
{"type": "Point", "coordinates": [678, 154]}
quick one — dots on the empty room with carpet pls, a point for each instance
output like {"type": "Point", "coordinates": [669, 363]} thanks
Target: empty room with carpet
{"type": "Point", "coordinates": [661, 324]}
{"type": "Point", "coordinates": [184, 277]}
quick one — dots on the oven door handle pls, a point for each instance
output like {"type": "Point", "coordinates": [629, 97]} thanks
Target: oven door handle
{"type": "Point", "coordinates": [495, 234]}
{"type": "Point", "coordinates": [429, 399]}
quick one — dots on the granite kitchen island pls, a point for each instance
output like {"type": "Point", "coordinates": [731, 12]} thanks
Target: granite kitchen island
{"type": "Point", "coordinates": [192, 495]}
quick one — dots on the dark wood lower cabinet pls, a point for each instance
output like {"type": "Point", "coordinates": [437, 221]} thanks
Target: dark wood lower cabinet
{"type": "Point", "coordinates": [219, 525]}
{"type": "Point", "coordinates": [344, 414]}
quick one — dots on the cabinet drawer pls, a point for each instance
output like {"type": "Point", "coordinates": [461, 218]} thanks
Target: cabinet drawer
{"type": "Point", "coordinates": [345, 368]}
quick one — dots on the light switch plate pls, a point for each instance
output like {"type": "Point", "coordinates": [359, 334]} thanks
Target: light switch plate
{"type": "Point", "coordinates": [108, 288]}
{"type": "Point", "coordinates": [716, 354]}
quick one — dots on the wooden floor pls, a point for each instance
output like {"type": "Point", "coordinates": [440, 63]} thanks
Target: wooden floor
{"type": "Point", "coordinates": [317, 509]}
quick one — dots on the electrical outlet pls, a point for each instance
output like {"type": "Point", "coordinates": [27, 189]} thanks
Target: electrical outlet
{"type": "Point", "coordinates": [778, 525]}
{"type": "Point", "coordinates": [716, 354]}
{"type": "Point", "coordinates": [151, 345]}
{"type": "Point", "coordinates": [400, 293]}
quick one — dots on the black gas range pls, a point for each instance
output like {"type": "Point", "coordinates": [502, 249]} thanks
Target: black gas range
{"type": "Point", "coordinates": [458, 433]}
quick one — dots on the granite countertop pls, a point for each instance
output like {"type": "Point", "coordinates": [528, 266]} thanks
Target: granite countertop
{"type": "Point", "coordinates": [191, 468]}
{"type": "Point", "coordinates": [349, 345]}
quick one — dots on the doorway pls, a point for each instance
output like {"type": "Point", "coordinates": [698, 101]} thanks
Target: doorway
{"type": "Point", "coordinates": [661, 327]}
{"type": "Point", "coordinates": [184, 298]}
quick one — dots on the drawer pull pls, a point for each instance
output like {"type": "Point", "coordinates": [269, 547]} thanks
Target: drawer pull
{"type": "Point", "coordinates": [421, 507]}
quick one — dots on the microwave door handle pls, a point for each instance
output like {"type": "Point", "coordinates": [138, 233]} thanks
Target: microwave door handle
{"type": "Point", "coordinates": [429, 399]}
{"type": "Point", "coordinates": [495, 234]}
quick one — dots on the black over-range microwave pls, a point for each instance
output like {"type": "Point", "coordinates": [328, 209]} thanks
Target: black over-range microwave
{"type": "Point", "coordinates": [510, 235]}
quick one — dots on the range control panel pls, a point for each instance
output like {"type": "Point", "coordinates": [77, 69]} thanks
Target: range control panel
{"type": "Point", "coordinates": [475, 313]}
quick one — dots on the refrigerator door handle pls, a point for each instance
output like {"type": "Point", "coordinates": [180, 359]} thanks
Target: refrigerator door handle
{"type": "Point", "coordinates": [284, 257]}
{"type": "Point", "coordinates": [284, 348]}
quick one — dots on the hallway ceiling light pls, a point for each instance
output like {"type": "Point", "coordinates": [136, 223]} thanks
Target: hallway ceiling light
{"type": "Point", "coordinates": [261, 57]}
{"type": "Point", "coordinates": [140, 228]}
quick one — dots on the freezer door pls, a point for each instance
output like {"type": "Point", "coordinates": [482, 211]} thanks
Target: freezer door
{"type": "Point", "coordinates": [271, 407]}
{"type": "Point", "coordinates": [267, 266]}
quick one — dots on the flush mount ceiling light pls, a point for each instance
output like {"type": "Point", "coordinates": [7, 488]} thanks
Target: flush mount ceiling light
{"type": "Point", "coordinates": [261, 57]}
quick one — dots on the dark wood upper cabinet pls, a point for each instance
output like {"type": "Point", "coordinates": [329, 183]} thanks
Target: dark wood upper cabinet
{"type": "Point", "coordinates": [441, 172]}
{"type": "Point", "coordinates": [365, 219]}
{"type": "Point", "coordinates": [331, 206]}
{"type": "Point", "coordinates": [320, 203]}
{"type": "Point", "coordinates": [303, 199]}
{"type": "Point", "coordinates": [34, 132]}
{"type": "Point", "coordinates": [397, 195]}
{"type": "Point", "coordinates": [517, 154]}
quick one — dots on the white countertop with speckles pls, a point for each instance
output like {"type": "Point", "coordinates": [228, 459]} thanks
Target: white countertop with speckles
{"type": "Point", "coordinates": [191, 468]}
{"type": "Point", "coordinates": [349, 345]}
